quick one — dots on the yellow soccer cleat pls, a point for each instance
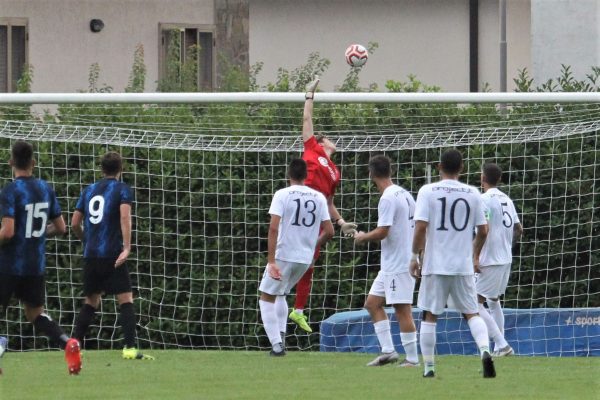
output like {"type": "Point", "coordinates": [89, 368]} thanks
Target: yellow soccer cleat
{"type": "Point", "coordinates": [132, 353]}
{"type": "Point", "coordinates": [301, 320]}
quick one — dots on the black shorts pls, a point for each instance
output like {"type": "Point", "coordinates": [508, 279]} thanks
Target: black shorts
{"type": "Point", "coordinates": [31, 290]}
{"type": "Point", "coordinates": [101, 276]}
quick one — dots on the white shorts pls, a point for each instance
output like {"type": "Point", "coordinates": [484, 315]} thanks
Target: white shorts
{"type": "Point", "coordinates": [290, 275]}
{"type": "Point", "coordinates": [435, 290]}
{"type": "Point", "coordinates": [396, 288]}
{"type": "Point", "coordinates": [491, 282]}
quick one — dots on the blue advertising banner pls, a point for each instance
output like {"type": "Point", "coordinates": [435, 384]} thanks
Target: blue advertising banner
{"type": "Point", "coordinates": [533, 332]}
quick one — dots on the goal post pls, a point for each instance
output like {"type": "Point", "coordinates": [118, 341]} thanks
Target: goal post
{"type": "Point", "coordinates": [204, 167]}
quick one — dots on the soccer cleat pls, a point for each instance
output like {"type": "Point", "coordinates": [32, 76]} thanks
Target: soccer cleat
{"type": "Point", "coordinates": [73, 356]}
{"type": "Point", "coordinates": [503, 352]}
{"type": "Point", "coordinates": [429, 374]}
{"type": "Point", "coordinates": [408, 364]}
{"type": "Point", "coordinates": [274, 353]}
{"type": "Point", "coordinates": [488, 365]}
{"type": "Point", "coordinates": [383, 359]}
{"type": "Point", "coordinates": [301, 320]}
{"type": "Point", "coordinates": [131, 353]}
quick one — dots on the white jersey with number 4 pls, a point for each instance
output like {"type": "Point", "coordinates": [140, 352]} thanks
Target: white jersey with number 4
{"type": "Point", "coordinates": [452, 211]}
{"type": "Point", "coordinates": [396, 210]}
{"type": "Point", "coordinates": [302, 210]}
{"type": "Point", "coordinates": [502, 218]}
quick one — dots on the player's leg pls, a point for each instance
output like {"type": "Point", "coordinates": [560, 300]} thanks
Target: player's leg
{"type": "Point", "coordinates": [493, 302]}
{"type": "Point", "coordinates": [433, 295]}
{"type": "Point", "coordinates": [94, 275]}
{"type": "Point", "coordinates": [281, 309]}
{"type": "Point", "coordinates": [408, 334]}
{"type": "Point", "coordinates": [488, 284]}
{"type": "Point", "coordinates": [465, 297]}
{"type": "Point", "coordinates": [302, 292]}
{"type": "Point", "coordinates": [375, 306]}
{"type": "Point", "coordinates": [86, 316]}
{"type": "Point", "coordinates": [6, 289]}
{"type": "Point", "coordinates": [270, 289]}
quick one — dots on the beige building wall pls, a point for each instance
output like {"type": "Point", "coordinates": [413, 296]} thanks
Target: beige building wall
{"type": "Point", "coordinates": [518, 41]}
{"type": "Point", "coordinates": [427, 38]}
{"type": "Point", "coordinates": [62, 47]}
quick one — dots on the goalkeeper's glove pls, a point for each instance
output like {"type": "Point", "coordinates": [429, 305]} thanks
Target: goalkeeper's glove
{"type": "Point", "coordinates": [311, 87]}
{"type": "Point", "coordinates": [348, 228]}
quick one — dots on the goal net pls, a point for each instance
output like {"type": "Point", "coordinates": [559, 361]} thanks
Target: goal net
{"type": "Point", "coordinates": [204, 175]}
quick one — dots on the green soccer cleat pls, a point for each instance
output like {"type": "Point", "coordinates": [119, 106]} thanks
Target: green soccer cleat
{"type": "Point", "coordinates": [301, 320]}
{"type": "Point", "coordinates": [131, 353]}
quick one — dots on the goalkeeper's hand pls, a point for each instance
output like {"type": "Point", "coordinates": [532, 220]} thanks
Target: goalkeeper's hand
{"type": "Point", "coordinates": [311, 88]}
{"type": "Point", "coordinates": [348, 228]}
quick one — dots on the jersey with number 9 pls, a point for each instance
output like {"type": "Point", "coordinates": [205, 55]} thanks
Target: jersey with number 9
{"type": "Point", "coordinates": [32, 203]}
{"type": "Point", "coordinates": [302, 210]}
{"type": "Point", "coordinates": [452, 211]}
{"type": "Point", "coordinates": [100, 205]}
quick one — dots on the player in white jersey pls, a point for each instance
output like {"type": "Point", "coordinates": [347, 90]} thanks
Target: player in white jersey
{"type": "Point", "coordinates": [297, 214]}
{"type": "Point", "coordinates": [393, 284]}
{"type": "Point", "coordinates": [496, 256]}
{"type": "Point", "coordinates": [446, 215]}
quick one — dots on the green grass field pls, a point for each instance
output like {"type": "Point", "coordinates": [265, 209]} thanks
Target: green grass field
{"type": "Point", "coordinates": [300, 375]}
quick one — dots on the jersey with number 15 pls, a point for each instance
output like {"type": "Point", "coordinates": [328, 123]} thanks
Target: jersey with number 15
{"type": "Point", "coordinates": [100, 205]}
{"type": "Point", "coordinates": [31, 203]}
{"type": "Point", "coordinates": [302, 210]}
{"type": "Point", "coordinates": [452, 211]}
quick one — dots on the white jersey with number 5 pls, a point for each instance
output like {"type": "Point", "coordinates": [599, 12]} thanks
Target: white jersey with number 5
{"type": "Point", "coordinates": [502, 218]}
{"type": "Point", "coordinates": [396, 210]}
{"type": "Point", "coordinates": [302, 210]}
{"type": "Point", "coordinates": [452, 211]}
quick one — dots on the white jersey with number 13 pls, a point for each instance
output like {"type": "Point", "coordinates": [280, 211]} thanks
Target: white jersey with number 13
{"type": "Point", "coordinates": [302, 210]}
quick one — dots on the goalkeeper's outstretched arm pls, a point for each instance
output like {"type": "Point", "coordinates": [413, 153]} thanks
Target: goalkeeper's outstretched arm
{"type": "Point", "coordinates": [307, 123]}
{"type": "Point", "coordinates": [348, 228]}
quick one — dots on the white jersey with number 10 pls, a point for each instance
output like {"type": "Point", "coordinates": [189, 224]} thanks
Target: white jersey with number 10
{"type": "Point", "coordinates": [302, 210]}
{"type": "Point", "coordinates": [452, 211]}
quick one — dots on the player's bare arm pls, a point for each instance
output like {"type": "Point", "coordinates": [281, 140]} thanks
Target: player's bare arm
{"type": "Point", "coordinates": [272, 267]}
{"type": "Point", "coordinates": [348, 228]}
{"type": "Point", "coordinates": [482, 232]}
{"type": "Point", "coordinates": [7, 231]}
{"type": "Point", "coordinates": [327, 233]}
{"type": "Point", "coordinates": [517, 232]}
{"type": "Point", "coordinates": [125, 210]}
{"type": "Point", "coordinates": [307, 123]}
{"type": "Point", "coordinates": [77, 224]}
{"type": "Point", "coordinates": [376, 235]}
{"type": "Point", "coordinates": [56, 227]}
{"type": "Point", "coordinates": [418, 248]}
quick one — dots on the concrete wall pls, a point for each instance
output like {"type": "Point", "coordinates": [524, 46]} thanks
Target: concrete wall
{"type": "Point", "coordinates": [62, 47]}
{"type": "Point", "coordinates": [427, 38]}
{"type": "Point", "coordinates": [564, 32]}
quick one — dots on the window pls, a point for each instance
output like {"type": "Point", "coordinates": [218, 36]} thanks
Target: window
{"type": "Point", "coordinates": [13, 52]}
{"type": "Point", "coordinates": [186, 57]}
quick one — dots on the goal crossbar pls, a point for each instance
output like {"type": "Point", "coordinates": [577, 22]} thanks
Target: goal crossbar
{"type": "Point", "coordinates": [322, 97]}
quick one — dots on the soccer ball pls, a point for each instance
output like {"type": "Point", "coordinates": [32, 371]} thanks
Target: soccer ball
{"type": "Point", "coordinates": [356, 55]}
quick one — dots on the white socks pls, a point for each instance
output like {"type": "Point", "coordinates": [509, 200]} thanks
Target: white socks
{"type": "Point", "coordinates": [480, 334]}
{"type": "Point", "coordinates": [496, 313]}
{"type": "Point", "coordinates": [409, 342]}
{"type": "Point", "coordinates": [270, 322]}
{"type": "Point", "coordinates": [427, 341]}
{"type": "Point", "coordinates": [493, 331]}
{"type": "Point", "coordinates": [384, 334]}
{"type": "Point", "coordinates": [281, 309]}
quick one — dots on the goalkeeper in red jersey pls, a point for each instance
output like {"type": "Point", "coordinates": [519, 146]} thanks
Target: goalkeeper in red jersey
{"type": "Point", "coordinates": [323, 176]}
